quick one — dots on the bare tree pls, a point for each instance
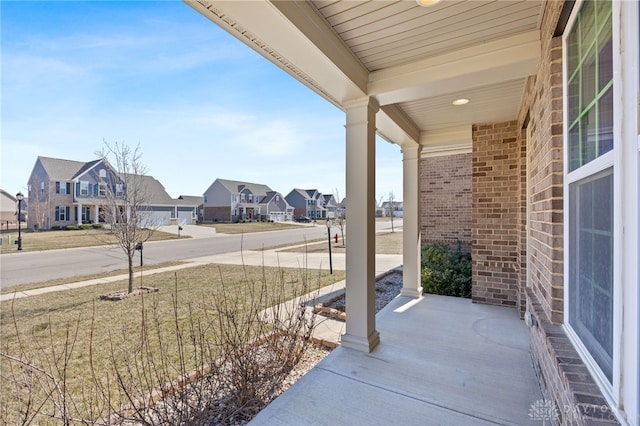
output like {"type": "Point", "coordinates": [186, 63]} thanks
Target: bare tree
{"type": "Point", "coordinates": [391, 209]}
{"type": "Point", "coordinates": [340, 216]}
{"type": "Point", "coordinates": [126, 199]}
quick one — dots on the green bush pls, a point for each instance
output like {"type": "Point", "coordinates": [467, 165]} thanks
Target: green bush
{"type": "Point", "coordinates": [446, 272]}
{"type": "Point", "coordinates": [97, 225]}
{"type": "Point", "coordinates": [56, 228]}
{"type": "Point", "coordinates": [85, 226]}
{"type": "Point", "coordinates": [71, 228]}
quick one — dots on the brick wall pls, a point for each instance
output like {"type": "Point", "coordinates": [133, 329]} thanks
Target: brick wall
{"type": "Point", "coordinates": [496, 213]}
{"type": "Point", "coordinates": [445, 200]}
{"type": "Point", "coordinates": [563, 377]}
{"type": "Point", "coordinates": [217, 214]}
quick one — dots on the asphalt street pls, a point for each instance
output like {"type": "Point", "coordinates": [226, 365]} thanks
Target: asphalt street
{"type": "Point", "coordinates": [28, 267]}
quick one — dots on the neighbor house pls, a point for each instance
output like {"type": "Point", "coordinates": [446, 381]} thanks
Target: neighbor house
{"type": "Point", "coordinates": [232, 201]}
{"type": "Point", "coordinates": [391, 208]}
{"type": "Point", "coordinates": [187, 208]}
{"type": "Point", "coordinates": [307, 202]}
{"type": "Point", "coordinates": [9, 209]}
{"type": "Point", "coordinates": [66, 192]}
{"type": "Point", "coordinates": [331, 205]}
{"type": "Point", "coordinates": [519, 130]}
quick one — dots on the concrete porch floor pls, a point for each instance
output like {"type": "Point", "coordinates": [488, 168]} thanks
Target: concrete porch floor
{"type": "Point", "coordinates": [441, 361]}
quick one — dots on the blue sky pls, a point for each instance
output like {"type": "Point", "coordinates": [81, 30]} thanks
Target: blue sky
{"type": "Point", "coordinates": [201, 104]}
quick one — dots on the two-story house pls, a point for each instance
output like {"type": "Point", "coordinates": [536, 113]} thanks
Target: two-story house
{"type": "Point", "coordinates": [232, 201]}
{"type": "Point", "coordinates": [66, 192]}
{"type": "Point", "coordinates": [331, 205]}
{"type": "Point", "coordinates": [307, 202]}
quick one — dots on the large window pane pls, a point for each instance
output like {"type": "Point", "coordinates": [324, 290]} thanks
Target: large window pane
{"type": "Point", "coordinates": [591, 266]}
{"type": "Point", "coordinates": [589, 83]}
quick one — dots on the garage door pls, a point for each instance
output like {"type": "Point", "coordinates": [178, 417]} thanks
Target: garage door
{"type": "Point", "coordinates": [184, 218]}
{"type": "Point", "coordinates": [152, 219]}
{"type": "Point", "coordinates": [277, 217]}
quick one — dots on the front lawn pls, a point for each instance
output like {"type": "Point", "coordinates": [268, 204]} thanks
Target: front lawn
{"type": "Point", "coordinates": [99, 339]}
{"type": "Point", "coordinates": [248, 227]}
{"type": "Point", "coordinates": [50, 240]}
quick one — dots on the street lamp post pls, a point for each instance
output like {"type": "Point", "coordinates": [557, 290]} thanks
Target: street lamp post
{"type": "Point", "coordinates": [329, 235]}
{"type": "Point", "coordinates": [19, 197]}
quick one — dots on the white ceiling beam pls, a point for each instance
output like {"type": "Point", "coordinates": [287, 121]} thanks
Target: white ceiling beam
{"type": "Point", "coordinates": [395, 126]}
{"type": "Point", "coordinates": [489, 63]}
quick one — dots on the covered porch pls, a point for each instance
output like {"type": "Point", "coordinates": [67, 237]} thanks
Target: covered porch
{"type": "Point", "coordinates": [442, 360]}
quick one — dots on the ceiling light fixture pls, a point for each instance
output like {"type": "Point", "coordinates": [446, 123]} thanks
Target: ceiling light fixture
{"type": "Point", "coordinates": [461, 101]}
{"type": "Point", "coordinates": [427, 3]}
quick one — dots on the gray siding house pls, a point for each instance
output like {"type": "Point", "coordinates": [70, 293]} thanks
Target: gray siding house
{"type": "Point", "coordinates": [233, 201]}
{"type": "Point", "coordinates": [307, 202]}
{"type": "Point", "coordinates": [67, 192]}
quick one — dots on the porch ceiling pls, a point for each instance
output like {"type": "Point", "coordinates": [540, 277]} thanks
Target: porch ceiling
{"type": "Point", "coordinates": [414, 60]}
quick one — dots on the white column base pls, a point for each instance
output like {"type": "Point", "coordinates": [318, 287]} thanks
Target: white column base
{"type": "Point", "coordinates": [360, 344]}
{"type": "Point", "coordinates": [415, 293]}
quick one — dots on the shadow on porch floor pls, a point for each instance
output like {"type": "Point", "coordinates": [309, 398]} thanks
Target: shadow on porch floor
{"type": "Point", "coordinates": [441, 360]}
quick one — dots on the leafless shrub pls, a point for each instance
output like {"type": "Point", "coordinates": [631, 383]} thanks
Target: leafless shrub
{"type": "Point", "coordinates": [220, 364]}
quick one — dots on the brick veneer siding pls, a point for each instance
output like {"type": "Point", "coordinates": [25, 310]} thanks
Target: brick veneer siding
{"type": "Point", "coordinates": [445, 200]}
{"type": "Point", "coordinates": [217, 214]}
{"type": "Point", "coordinates": [496, 213]}
{"type": "Point", "coordinates": [564, 378]}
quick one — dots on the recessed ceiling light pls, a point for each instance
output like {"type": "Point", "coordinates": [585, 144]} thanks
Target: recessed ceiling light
{"type": "Point", "coordinates": [427, 3]}
{"type": "Point", "coordinates": [461, 101]}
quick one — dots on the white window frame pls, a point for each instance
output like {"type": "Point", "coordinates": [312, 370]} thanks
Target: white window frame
{"type": "Point", "coordinates": [62, 214]}
{"type": "Point", "coordinates": [102, 189]}
{"type": "Point", "coordinates": [84, 189]}
{"type": "Point", "coordinates": [622, 395]}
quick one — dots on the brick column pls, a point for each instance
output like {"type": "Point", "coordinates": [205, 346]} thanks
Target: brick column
{"type": "Point", "coordinates": [361, 333]}
{"type": "Point", "coordinates": [496, 213]}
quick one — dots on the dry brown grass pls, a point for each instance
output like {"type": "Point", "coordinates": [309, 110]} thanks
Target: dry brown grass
{"type": "Point", "coordinates": [69, 280]}
{"type": "Point", "coordinates": [51, 240]}
{"type": "Point", "coordinates": [249, 227]}
{"type": "Point", "coordinates": [104, 327]}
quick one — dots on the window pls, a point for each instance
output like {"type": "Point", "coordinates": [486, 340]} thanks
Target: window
{"type": "Point", "coordinates": [102, 173]}
{"type": "Point", "coordinates": [205, 198]}
{"type": "Point", "coordinates": [62, 213]}
{"type": "Point", "coordinates": [63, 188]}
{"type": "Point", "coordinates": [42, 187]}
{"type": "Point", "coordinates": [590, 179]}
{"type": "Point", "coordinates": [84, 188]}
{"type": "Point", "coordinates": [102, 189]}
{"type": "Point", "coordinates": [119, 190]}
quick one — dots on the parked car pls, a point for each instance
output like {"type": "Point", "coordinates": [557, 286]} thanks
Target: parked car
{"type": "Point", "coordinates": [303, 219]}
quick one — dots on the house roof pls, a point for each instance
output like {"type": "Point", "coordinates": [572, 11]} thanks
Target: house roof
{"type": "Point", "coordinates": [64, 170]}
{"type": "Point", "coordinates": [189, 200]}
{"type": "Point", "coordinates": [156, 192]}
{"type": "Point", "coordinates": [235, 187]}
{"type": "Point", "coordinates": [306, 193]}
{"type": "Point", "coordinates": [86, 167]}
{"type": "Point", "coordinates": [59, 169]}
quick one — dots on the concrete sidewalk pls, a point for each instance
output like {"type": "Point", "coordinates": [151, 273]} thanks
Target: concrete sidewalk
{"type": "Point", "coordinates": [275, 257]}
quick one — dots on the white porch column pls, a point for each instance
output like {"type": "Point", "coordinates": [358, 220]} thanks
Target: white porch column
{"type": "Point", "coordinates": [79, 207]}
{"type": "Point", "coordinates": [96, 213]}
{"type": "Point", "coordinates": [361, 333]}
{"type": "Point", "coordinates": [411, 285]}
